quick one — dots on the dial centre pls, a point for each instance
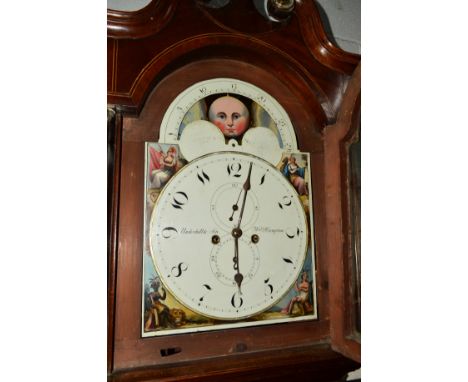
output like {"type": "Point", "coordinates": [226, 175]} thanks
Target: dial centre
{"type": "Point", "coordinates": [237, 232]}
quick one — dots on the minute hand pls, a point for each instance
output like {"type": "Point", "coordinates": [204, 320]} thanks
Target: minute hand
{"type": "Point", "coordinates": [237, 232]}
{"type": "Point", "coordinates": [246, 188]}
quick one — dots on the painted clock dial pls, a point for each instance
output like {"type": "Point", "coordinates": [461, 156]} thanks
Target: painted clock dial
{"type": "Point", "coordinates": [228, 235]}
{"type": "Point", "coordinates": [169, 129]}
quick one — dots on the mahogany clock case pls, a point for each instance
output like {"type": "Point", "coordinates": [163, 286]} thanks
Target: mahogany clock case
{"type": "Point", "coordinates": [149, 64]}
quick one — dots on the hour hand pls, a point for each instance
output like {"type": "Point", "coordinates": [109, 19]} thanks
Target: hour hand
{"type": "Point", "coordinates": [238, 277]}
{"type": "Point", "coordinates": [235, 207]}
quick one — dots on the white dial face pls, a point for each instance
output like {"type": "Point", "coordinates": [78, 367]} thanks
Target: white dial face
{"type": "Point", "coordinates": [169, 130]}
{"type": "Point", "coordinates": [228, 235]}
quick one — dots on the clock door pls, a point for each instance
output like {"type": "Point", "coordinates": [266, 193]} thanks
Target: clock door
{"type": "Point", "coordinates": [342, 172]}
{"type": "Point", "coordinates": [285, 54]}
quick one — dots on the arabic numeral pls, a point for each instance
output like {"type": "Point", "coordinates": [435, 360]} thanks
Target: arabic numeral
{"type": "Point", "coordinates": [236, 300]}
{"type": "Point", "coordinates": [286, 201]}
{"type": "Point", "coordinates": [207, 290]}
{"type": "Point", "coordinates": [261, 99]}
{"type": "Point", "coordinates": [268, 287]}
{"type": "Point", "coordinates": [168, 232]}
{"type": "Point", "coordinates": [179, 269]}
{"type": "Point", "coordinates": [203, 177]}
{"type": "Point", "coordinates": [234, 169]}
{"type": "Point", "coordinates": [179, 199]}
{"type": "Point", "coordinates": [288, 260]}
{"type": "Point", "coordinates": [292, 232]}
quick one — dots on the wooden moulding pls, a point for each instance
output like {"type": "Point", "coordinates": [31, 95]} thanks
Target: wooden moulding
{"type": "Point", "coordinates": [310, 364]}
{"type": "Point", "coordinates": [149, 64]}
{"type": "Point", "coordinates": [336, 182]}
{"type": "Point", "coordinates": [317, 42]}
{"type": "Point", "coordinates": [135, 64]}
{"type": "Point", "coordinates": [158, 13]}
{"type": "Point", "coordinates": [291, 90]}
{"type": "Point", "coordinates": [113, 238]}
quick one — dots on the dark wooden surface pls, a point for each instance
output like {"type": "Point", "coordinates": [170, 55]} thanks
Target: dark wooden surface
{"type": "Point", "coordinates": [352, 220]}
{"type": "Point", "coordinates": [337, 139]}
{"type": "Point", "coordinates": [153, 55]}
{"type": "Point", "coordinates": [280, 365]}
{"type": "Point", "coordinates": [113, 196]}
{"type": "Point", "coordinates": [299, 49]}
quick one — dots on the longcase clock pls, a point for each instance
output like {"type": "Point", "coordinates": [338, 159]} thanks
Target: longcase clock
{"type": "Point", "coordinates": [234, 194]}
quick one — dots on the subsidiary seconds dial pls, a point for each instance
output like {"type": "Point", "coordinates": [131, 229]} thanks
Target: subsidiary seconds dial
{"type": "Point", "coordinates": [228, 235]}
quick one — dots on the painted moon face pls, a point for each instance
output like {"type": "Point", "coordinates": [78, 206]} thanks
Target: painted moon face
{"type": "Point", "coordinates": [173, 123]}
{"type": "Point", "coordinates": [230, 115]}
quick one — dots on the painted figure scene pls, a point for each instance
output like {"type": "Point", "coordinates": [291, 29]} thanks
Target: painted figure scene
{"type": "Point", "coordinates": [295, 167]}
{"type": "Point", "coordinates": [163, 161]}
{"type": "Point", "coordinates": [163, 312]}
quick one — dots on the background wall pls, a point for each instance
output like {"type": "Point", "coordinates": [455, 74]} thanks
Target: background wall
{"type": "Point", "coordinates": [127, 5]}
{"type": "Point", "coordinates": [342, 20]}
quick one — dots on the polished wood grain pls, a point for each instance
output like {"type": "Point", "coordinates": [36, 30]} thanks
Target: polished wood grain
{"type": "Point", "coordinates": [275, 366]}
{"type": "Point", "coordinates": [155, 54]}
{"type": "Point", "coordinates": [337, 138]}
{"type": "Point", "coordinates": [299, 46]}
{"type": "Point", "coordinates": [303, 101]}
{"type": "Point", "coordinates": [318, 43]}
{"type": "Point", "coordinates": [113, 216]}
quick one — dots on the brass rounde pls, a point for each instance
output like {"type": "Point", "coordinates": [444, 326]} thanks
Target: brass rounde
{"type": "Point", "coordinates": [237, 232]}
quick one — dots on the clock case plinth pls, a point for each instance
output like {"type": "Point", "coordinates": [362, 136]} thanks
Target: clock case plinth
{"type": "Point", "coordinates": [149, 64]}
